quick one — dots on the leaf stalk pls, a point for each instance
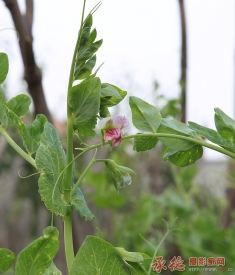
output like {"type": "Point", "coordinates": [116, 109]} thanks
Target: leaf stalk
{"type": "Point", "coordinates": [21, 152]}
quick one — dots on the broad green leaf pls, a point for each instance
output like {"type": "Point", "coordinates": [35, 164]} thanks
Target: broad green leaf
{"type": "Point", "coordinates": [145, 117]}
{"type": "Point", "coordinates": [4, 66]}
{"type": "Point", "coordinates": [144, 143]}
{"type": "Point", "coordinates": [50, 162]}
{"type": "Point", "coordinates": [97, 256]}
{"type": "Point", "coordinates": [109, 90]}
{"type": "Point", "coordinates": [84, 101]}
{"type": "Point", "coordinates": [78, 201]}
{"type": "Point", "coordinates": [174, 127]}
{"type": "Point", "coordinates": [30, 134]}
{"type": "Point", "coordinates": [138, 269]}
{"type": "Point", "coordinates": [212, 135]}
{"type": "Point", "coordinates": [19, 105]}
{"type": "Point", "coordinates": [89, 52]}
{"type": "Point", "coordinates": [132, 271]}
{"type": "Point", "coordinates": [111, 95]}
{"type": "Point", "coordinates": [37, 257]}
{"type": "Point", "coordinates": [52, 270]}
{"type": "Point", "coordinates": [86, 69]}
{"type": "Point", "coordinates": [225, 125]}
{"type": "Point", "coordinates": [6, 259]}
{"type": "Point", "coordinates": [183, 158]}
{"type": "Point", "coordinates": [130, 256]}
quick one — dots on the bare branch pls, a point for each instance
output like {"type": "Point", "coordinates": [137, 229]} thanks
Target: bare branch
{"type": "Point", "coordinates": [29, 15]}
{"type": "Point", "coordinates": [33, 76]}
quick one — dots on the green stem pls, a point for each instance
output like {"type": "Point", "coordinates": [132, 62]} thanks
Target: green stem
{"type": "Point", "coordinates": [76, 185]}
{"type": "Point", "coordinates": [196, 141]}
{"type": "Point", "coordinates": [68, 239]}
{"type": "Point", "coordinates": [69, 161]}
{"type": "Point", "coordinates": [156, 250]}
{"type": "Point", "coordinates": [17, 148]}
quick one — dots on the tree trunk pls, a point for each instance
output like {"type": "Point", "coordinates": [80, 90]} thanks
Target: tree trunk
{"type": "Point", "coordinates": [33, 76]}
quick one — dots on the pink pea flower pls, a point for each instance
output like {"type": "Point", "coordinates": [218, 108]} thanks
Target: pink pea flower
{"type": "Point", "coordinates": [113, 128]}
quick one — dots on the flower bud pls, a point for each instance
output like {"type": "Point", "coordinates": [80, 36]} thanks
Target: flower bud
{"type": "Point", "coordinates": [119, 174]}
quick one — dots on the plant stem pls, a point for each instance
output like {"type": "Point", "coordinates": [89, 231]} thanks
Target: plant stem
{"type": "Point", "coordinates": [76, 185]}
{"type": "Point", "coordinates": [68, 240]}
{"type": "Point", "coordinates": [17, 148]}
{"type": "Point", "coordinates": [69, 161]}
{"type": "Point", "coordinates": [68, 236]}
{"type": "Point", "coordinates": [156, 250]}
{"type": "Point", "coordinates": [193, 140]}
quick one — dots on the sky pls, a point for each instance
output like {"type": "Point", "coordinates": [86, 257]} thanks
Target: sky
{"type": "Point", "coordinates": [141, 45]}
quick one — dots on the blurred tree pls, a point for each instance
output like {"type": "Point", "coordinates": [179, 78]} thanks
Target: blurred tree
{"type": "Point", "coordinates": [23, 24]}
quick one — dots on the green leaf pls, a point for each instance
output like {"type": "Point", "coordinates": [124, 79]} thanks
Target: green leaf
{"type": "Point", "coordinates": [138, 269]}
{"type": "Point", "coordinates": [145, 117]}
{"type": "Point", "coordinates": [111, 95]}
{"type": "Point", "coordinates": [37, 257]}
{"type": "Point", "coordinates": [86, 49]}
{"type": "Point", "coordinates": [97, 256]}
{"type": "Point", "coordinates": [78, 201]}
{"type": "Point", "coordinates": [144, 143]}
{"type": "Point", "coordinates": [93, 36]}
{"type": "Point", "coordinates": [52, 270]}
{"type": "Point", "coordinates": [19, 104]}
{"type": "Point", "coordinates": [212, 136]}
{"type": "Point", "coordinates": [88, 21]}
{"type": "Point", "coordinates": [89, 52]}
{"type": "Point", "coordinates": [6, 259]}
{"type": "Point", "coordinates": [86, 69]}
{"type": "Point", "coordinates": [183, 158]}
{"type": "Point", "coordinates": [84, 101]}
{"type": "Point", "coordinates": [225, 125]}
{"type": "Point", "coordinates": [109, 90]}
{"type": "Point", "coordinates": [3, 111]}
{"type": "Point", "coordinates": [50, 162]}
{"type": "Point", "coordinates": [130, 256]}
{"type": "Point", "coordinates": [30, 134]}
{"type": "Point", "coordinates": [145, 256]}
{"type": "Point", "coordinates": [85, 35]}
{"type": "Point", "coordinates": [174, 127]}
{"type": "Point", "coordinates": [4, 66]}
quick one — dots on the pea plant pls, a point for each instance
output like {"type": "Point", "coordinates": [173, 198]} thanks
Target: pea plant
{"type": "Point", "coordinates": [60, 191]}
